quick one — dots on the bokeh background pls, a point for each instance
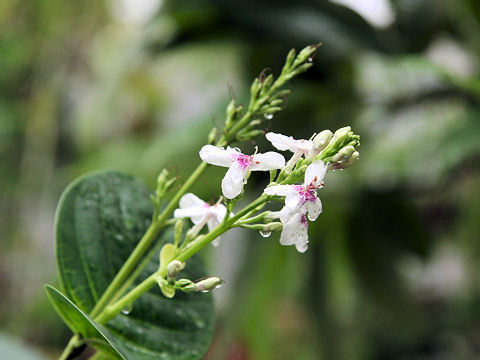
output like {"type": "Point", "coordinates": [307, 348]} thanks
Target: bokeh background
{"type": "Point", "coordinates": [392, 271]}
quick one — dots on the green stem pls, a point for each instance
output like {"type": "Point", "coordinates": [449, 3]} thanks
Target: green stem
{"type": "Point", "coordinates": [195, 246]}
{"type": "Point", "coordinates": [72, 344]}
{"type": "Point", "coordinates": [112, 310]}
{"type": "Point", "coordinates": [146, 259]}
{"type": "Point", "coordinates": [145, 243]}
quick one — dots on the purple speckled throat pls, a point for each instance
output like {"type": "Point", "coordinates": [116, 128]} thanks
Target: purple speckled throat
{"type": "Point", "coordinates": [303, 220]}
{"type": "Point", "coordinates": [305, 193]}
{"type": "Point", "coordinates": [242, 160]}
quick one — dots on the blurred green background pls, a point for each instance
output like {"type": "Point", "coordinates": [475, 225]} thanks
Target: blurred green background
{"type": "Point", "coordinates": [392, 270]}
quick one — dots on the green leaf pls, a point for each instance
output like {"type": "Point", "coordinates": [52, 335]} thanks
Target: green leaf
{"type": "Point", "coordinates": [79, 322]}
{"type": "Point", "coordinates": [100, 219]}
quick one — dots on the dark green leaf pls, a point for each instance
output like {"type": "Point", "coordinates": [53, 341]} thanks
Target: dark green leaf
{"type": "Point", "coordinates": [100, 219]}
{"type": "Point", "coordinates": [79, 322]}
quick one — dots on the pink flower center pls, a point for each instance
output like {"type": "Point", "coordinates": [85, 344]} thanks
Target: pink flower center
{"type": "Point", "coordinates": [306, 193]}
{"type": "Point", "coordinates": [243, 160]}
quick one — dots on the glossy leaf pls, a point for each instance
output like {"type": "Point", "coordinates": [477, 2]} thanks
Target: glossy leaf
{"type": "Point", "coordinates": [100, 219]}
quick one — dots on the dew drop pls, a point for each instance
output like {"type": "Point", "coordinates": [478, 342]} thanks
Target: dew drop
{"type": "Point", "coordinates": [268, 116]}
{"type": "Point", "coordinates": [265, 234]}
{"type": "Point", "coordinates": [204, 291]}
{"type": "Point", "coordinates": [127, 309]}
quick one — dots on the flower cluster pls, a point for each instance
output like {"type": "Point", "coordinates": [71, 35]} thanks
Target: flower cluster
{"type": "Point", "coordinates": [310, 161]}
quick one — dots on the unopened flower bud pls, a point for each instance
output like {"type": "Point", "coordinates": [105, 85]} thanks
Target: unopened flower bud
{"type": "Point", "coordinates": [354, 157]}
{"type": "Point", "coordinates": [255, 88]}
{"type": "Point", "coordinates": [342, 134]}
{"type": "Point", "coordinates": [185, 285]}
{"type": "Point", "coordinates": [208, 284]}
{"type": "Point", "coordinates": [304, 55]}
{"type": "Point", "coordinates": [173, 268]}
{"type": "Point", "coordinates": [344, 154]}
{"type": "Point", "coordinates": [290, 58]}
{"type": "Point", "coordinates": [161, 182]}
{"type": "Point", "coordinates": [212, 135]}
{"type": "Point", "coordinates": [273, 226]}
{"type": "Point", "coordinates": [322, 139]}
{"type": "Point", "coordinates": [178, 231]}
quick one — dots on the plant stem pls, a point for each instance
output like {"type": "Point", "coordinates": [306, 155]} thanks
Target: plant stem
{"type": "Point", "coordinates": [72, 344]}
{"type": "Point", "coordinates": [219, 230]}
{"type": "Point", "coordinates": [145, 243]}
{"type": "Point", "coordinates": [112, 310]}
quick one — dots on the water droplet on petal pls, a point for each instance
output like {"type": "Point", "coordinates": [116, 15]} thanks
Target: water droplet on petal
{"type": "Point", "coordinates": [127, 309]}
{"type": "Point", "coordinates": [265, 234]}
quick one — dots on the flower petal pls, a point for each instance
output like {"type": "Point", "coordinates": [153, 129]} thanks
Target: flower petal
{"type": "Point", "coordinates": [314, 208]}
{"type": "Point", "coordinates": [315, 173]}
{"type": "Point", "coordinates": [232, 182]}
{"type": "Point", "coordinates": [295, 232]}
{"type": "Point", "coordinates": [286, 214]}
{"type": "Point", "coordinates": [281, 142]}
{"type": "Point", "coordinates": [293, 200]}
{"type": "Point", "coordinates": [268, 161]}
{"type": "Point", "coordinates": [219, 211]}
{"type": "Point", "coordinates": [279, 190]}
{"type": "Point", "coordinates": [190, 200]}
{"type": "Point", "coordinates": [217, 156]}
{"type": "Point", "coordinates": [196, 213]}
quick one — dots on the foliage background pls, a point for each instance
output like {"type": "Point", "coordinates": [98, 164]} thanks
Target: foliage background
{"type": "Point", "coordinates": [392, 269]}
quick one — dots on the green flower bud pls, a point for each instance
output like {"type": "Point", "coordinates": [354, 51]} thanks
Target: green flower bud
{"type": "Point", "coordinates": [342, 135]}
{"type": "Point", "coordinates": [178, 231]}
{"type": "Point", "coordinates": [290, 58]}
{"type": "Point", "coordinates": [299, 70]}
{"type": "Point", "coordinates": [322, 139]}
{"type": "Point", "coordinates": [344, 154]}
{"type": "Point", "coordinates": [212, 135]}
{"type": "Point", "coordinates": [208, 284]}
{"type": "Point", "coordinates": [185, 285]}
{"type": "Point", "coordinates": [255, 88]}
{"type": "Point", "coordinates": [231, 108]}
{"type": "Point", "coordinates": [276, 102]}
{"type": "Point", "coordinates": [273, 226]}
{"type": "Point", "coordinates": [173, 268]}
{"type": "Point", "coordinates": [304, 55]}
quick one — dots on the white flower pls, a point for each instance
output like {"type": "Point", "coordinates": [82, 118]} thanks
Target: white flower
{"type": "Point", "coordinates": [239, 165]}
{"type": "Point", "coordinates": [295, 232]}
{"type": "Point", "coordinates": [298, 147]}
{"type": "Point", "coordinates": [300, 201]}
{"type": "Point", "coordinates": [201, 213]}
{"type": "Point", "coordinates": [302, 198]}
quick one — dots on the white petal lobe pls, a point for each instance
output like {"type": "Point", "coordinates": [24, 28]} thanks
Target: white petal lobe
{"type": "Point", "coordinates": [268, 161]}
{"type": "Point", "coordinates": [216, 156]}
{"type": "Point", "coordinates": [314, 209]}
{"type": "Point", "coordinates": [281, 142]}
{"type": "Point", "coordinates": [232, 182]}
{"type": "Point", "coordinates": [279, 190]}
{"type": "Point", "coordinates": [189, 200]}
{"type": "Point", "coordinates": [315, 173]}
